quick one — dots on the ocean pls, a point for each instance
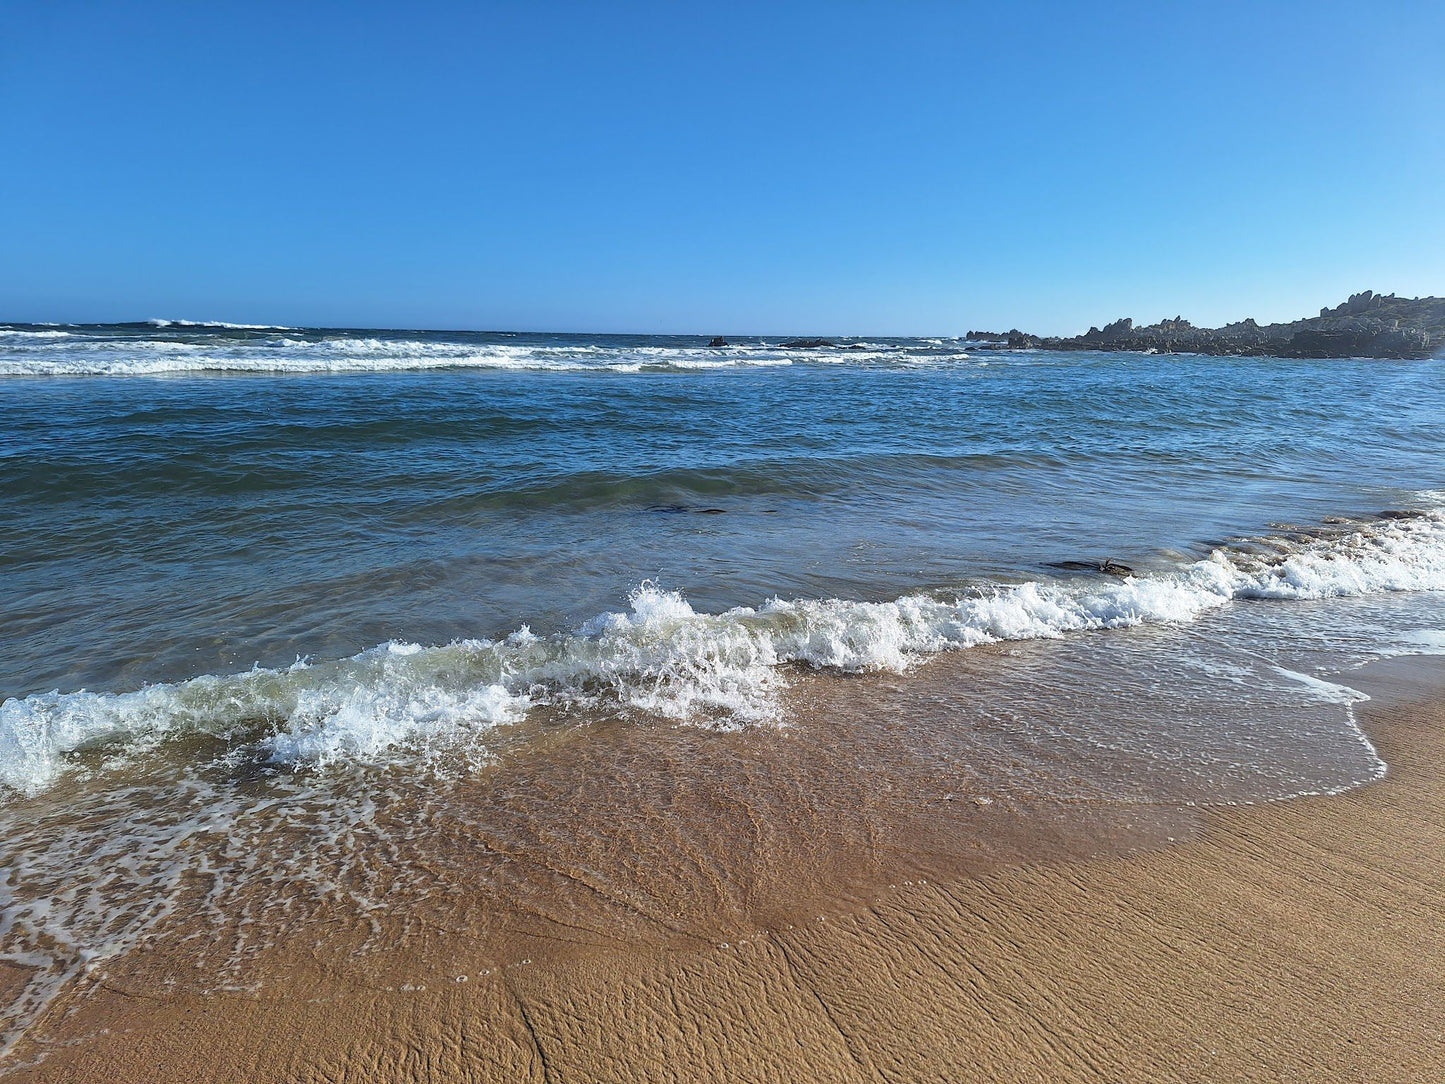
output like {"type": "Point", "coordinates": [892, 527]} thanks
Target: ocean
{"type": "Point", "coordinates": [309, 622]}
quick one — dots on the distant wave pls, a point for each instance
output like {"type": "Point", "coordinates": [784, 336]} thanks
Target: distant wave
{"type": "Point", "coordinates": [20, 335]}
{"type": "Point", "coordinates": [93, 352]}
{"type": "Point", "coordinates": [664, 658]}
{"type": "Point", "coordinates": [157, 322]}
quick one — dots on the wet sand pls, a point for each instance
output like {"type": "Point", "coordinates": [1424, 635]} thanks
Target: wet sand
{"type": "Point", "coordinates": [1302, 940]}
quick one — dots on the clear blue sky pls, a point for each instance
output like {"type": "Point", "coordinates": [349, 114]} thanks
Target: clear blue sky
{"type": "Point", "coordinates": [776, 167]}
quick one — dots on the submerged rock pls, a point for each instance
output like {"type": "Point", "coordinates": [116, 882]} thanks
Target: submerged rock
{"type": "Point", "coordinates": [1108, 566]}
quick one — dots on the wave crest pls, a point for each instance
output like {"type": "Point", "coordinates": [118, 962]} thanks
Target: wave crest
{"type": "Point", "coordinates": [185, 346]}
{"type": "Point", "coordinates": [663, 658]}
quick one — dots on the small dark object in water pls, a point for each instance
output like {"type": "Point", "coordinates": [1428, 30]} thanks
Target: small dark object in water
{"type": "Point", "coordinates": [718, 340]}
{"type": "Point", "coordinates": [680, 509]}
{"type": "Point", "coordinates": [1108, 566]}
{"type": "Point", "coordinates": [805, 344]}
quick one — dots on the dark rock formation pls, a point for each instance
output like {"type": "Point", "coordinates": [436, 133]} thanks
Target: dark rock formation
{"type": "Point", "coordinates": [1367, 325]}
{"type": "Point", "coordinates": [805, 344]}
{"type": "Point", "coordinates": [1119, 330]}
{"type": "Point", "coordinates": [718, 340]}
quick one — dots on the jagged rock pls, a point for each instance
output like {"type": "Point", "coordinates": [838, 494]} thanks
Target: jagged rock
{"type": "Point", "coordinates": [1367, 324]}
{"type": "Point", "coordinates": [718, 340]}
{"type": "Point", "coordinates": [1109, 333]}
{"type": "Point", "coordinates": [1363, 342]}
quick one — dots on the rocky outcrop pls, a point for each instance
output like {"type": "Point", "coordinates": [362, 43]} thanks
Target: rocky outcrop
{"type": "Point", "coordinates": [1366, 325]}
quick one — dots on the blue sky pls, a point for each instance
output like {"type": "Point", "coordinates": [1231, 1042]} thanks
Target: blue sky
{"type": "Point", "coordinates": [784, 167]}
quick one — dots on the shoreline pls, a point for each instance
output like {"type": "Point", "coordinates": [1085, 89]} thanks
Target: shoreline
{"type": "Point", "coordinates": [1293, 940]}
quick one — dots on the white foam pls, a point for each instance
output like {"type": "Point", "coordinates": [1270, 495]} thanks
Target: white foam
{"type": "Point", "coordinates": [1328, 691]}
{"type": "Point", "coordinates": [1427, 641]}
{"type": "Point", "coordinates": [218, 324]}
{"type": "Point", "coordinates": [20, 335]}
{"type": "Point", "coordinates": [97, 353]}
{"type": "Point", "coordinates": [664, 658]}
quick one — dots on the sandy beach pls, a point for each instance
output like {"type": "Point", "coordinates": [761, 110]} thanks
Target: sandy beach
{"type": "Point", "coordinates": [1299, 940]}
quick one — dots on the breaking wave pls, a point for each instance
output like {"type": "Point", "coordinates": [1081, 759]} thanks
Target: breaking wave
{"type": "Point", "coordinates": [665, 659]}
{"type": "Point", "coordinates": [218, 324]}
{"type": "Point", "coordinates": [159, 347]}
